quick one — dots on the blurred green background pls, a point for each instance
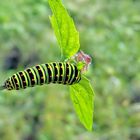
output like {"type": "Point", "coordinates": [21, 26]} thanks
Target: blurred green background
{"type": "Point", "coordinates": [109, 32]}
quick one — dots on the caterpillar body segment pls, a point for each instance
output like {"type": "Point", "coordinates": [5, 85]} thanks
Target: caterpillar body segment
{"type": "Point", "coordinates": [55, 72]}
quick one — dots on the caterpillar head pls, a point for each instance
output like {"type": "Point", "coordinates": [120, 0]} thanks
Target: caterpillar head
{"type": "Point", "coordinates": [8, 84]}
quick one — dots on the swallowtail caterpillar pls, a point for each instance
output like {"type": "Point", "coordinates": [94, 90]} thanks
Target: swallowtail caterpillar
{"type": "Point", "coordinates": [66, 73]}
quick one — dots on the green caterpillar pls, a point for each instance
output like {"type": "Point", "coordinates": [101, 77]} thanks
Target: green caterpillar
{"type": "Point", "coordinates": [55, 72]}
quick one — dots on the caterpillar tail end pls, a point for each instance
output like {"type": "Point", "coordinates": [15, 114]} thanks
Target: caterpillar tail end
{"type": "Point", "coordinates": [2, 87]}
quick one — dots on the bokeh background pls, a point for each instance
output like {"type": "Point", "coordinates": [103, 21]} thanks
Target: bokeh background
{"type": "Point", "coordinates": [109, 32]}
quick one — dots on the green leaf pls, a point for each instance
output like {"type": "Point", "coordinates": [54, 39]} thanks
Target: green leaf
{"type": "Point", "coordinates": [82, 96]}
{"type": "Point", "coordinates": [64, 28]}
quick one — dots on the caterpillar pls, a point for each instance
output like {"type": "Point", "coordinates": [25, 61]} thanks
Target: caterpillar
{"type": "Point", "coordinates": [55, 72]}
